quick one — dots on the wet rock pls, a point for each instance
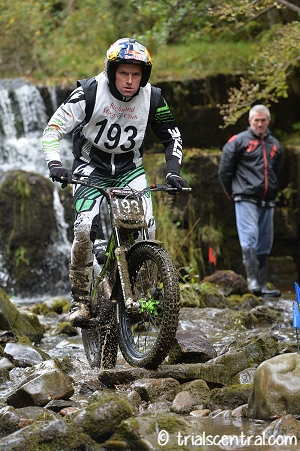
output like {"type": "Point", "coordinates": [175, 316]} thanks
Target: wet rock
{"type": "Point", "coordinates": [6, 364]}
{"type": "Point", "coordinates": [228, 282]}
{"type": "Point", "coordinates": [89, 386]}
{"type": "Point", "coordinates": [287, 425]}
{"type": "Point", "coordinates": [56, 405]}
{"type": "Point", "coordinates": [156, 389]}
{"type": "Point", "coordinates": [146, 432]}
{"type": "Point", "coordinates": [200, 413]}
{"type": "Point", "coordinates": [183, 402]}
{"type": "Point", "coordinates": [240, 412]}
{"type": "Point", "coordinates": [191, 346]}
{"type": "Point", "coordinates": [235, 320]}
{"type": "Point", "coordinates": [57, 304]}
{"type": "Point", "coordinates": [24, 355]}
{"type": "Point", "coordinates": [46, 382]}
{"type": "Point", "coordinates": [4, 375]}
{"type": "Point", "coordinates": [191, 394]}
{"type": "Point", "coordinates": [53, 435]}
{"type": "Point", "coordinates": [7, 337]}
{"type": "Point", "coordinates": [121, 376]}
{"type": "Point", "coordinates": [228, 397]}
{"type": "Point", "coordinates": [244, 377]}
{"type": "Point", "coordinates": [211, 296]}
{"type": "Point", "coordinates": [220, 370]}
{"type": "Point", "coordinates": [22, 324]}
{"type": "Point", "coordinates": [156, 407]}
{"type": "Point", "coordinates": [101, 418]}
{"type": "Point", "coordinates": [276, 389]}
{"type": "Point", "coordinates": [12, 419]}
{"type": "Point", "coordinates": [65, 328]}
{"type": "Point", "coordinates": [265, 315]}
{"type": "Point", "coordinates": [53, 429]}
{"type": "Point", "coordinates": [134, 398]}
{"type": "Point", "coordinates": [9, 420]}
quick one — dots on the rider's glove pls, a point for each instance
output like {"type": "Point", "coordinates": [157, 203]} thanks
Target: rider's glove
{"type": "Point", "coordinates": [175, 180]}
{"type": "Point", "coordinates": [56, 171]}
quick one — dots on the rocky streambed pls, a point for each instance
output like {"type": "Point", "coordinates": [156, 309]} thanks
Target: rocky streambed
{"type": "Point", "coordinates": [230, 381]}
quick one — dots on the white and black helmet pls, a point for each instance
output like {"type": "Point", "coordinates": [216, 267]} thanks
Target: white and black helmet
{"type": "Point", "coordinates": [127, 50]}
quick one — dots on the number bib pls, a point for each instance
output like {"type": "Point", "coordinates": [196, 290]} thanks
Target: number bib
{"type": "Point", "coordinates": [117, 126]}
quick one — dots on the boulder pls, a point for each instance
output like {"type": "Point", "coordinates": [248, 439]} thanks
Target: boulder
{"type": "Point", "coordinates": [156, 389]}
{"type": "Point", "coordinates": [19, 324]}
{"type": "Point", "coordinates": [29, 234]}
{"type": "Point", "coordinates": [191, 346]}
{"type": "Point", "coordinates": [228, 282]}
{"type": "Point", "coordinates": [101, 418]}
{"type": "Point", "coordinates": [43, 383]}
{"type": "Point", "coordinates": [191, 395]}
{"type": "Point", "coordinates": [24, 355]}
{"type": "Point", "coordinates": [276, 389]}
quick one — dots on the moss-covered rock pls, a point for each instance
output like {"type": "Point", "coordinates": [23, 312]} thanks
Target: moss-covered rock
{"type": "Point", "coordinates": [228, 397]}
{"type": "Point", "coordinates": [151, 432]}
{"type": "Point", "coordinates": [101, 418]}
{"type": "Point", "coordinates": [28, 231]}
{"type": "Point", "coordinates": [21, 324]}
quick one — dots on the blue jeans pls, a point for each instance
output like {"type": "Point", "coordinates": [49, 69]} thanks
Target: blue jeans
{"type": "Point", "coordinates": [255, 226]}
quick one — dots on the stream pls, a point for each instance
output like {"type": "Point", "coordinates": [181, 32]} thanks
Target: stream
{"type": "Point", "coordinates": [220, 431]}
{"type": "Point", "coordinates": [21, 149]}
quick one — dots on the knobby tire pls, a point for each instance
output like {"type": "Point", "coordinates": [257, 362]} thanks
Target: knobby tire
{"type": "Point", "coordinates": [100, 340]}
{"type": "Point", "coordinates": [145, 338]}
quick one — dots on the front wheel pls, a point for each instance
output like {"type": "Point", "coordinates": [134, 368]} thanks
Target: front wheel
{"type": "Point", "coordinates": [146, 336]}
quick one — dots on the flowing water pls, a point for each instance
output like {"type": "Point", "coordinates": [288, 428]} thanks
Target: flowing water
{"type": "Point", "coordinates": [22, 120]}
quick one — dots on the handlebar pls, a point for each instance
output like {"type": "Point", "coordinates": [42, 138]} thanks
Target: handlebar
{"type": "Point", "coordinates": [106, 191]}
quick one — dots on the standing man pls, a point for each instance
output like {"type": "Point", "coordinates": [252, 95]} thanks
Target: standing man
{"type": "Point", "coordinates": [248, 174]}
{"type": "Point", "coordinates": [110, 150]}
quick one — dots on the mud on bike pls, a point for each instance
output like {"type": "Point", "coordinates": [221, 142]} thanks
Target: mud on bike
{"type": "Point", "coordinates": [135, 299]}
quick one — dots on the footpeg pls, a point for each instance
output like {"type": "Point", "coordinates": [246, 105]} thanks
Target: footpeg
{"type": "Point", "coordinates": [132, 306]}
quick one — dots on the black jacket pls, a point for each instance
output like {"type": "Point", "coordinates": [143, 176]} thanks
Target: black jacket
{"type": "Point", "coordinates": [249, 166]}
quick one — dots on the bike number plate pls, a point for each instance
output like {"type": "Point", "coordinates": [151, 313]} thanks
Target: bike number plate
{"type": "Point", "coordinates": [128, 212]}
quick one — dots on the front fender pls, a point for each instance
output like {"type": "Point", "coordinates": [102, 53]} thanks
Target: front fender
{"type": "Point", "coordinates": [157, 242]}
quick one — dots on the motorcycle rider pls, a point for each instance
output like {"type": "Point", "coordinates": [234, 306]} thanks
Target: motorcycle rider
{"type": "Point", "coordinates": [110, 151]}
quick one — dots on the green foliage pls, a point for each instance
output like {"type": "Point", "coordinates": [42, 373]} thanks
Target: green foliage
{"type": "Point", "coordinates": [276, 61]}
{"type": "Point", "coordinates": [59, 41]}
{"type": "Point", "coordinates": [185, 244]}
{"type": "Point", "coordinates": [150, 306]}
{"type": "Point", "coordinates": [20, 256]}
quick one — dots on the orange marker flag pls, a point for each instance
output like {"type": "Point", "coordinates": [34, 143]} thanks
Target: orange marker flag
{"type": "Point", "coordinates": [211, 257]}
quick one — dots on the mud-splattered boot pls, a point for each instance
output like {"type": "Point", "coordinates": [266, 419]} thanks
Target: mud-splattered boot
{"type": "Point", "coordinates": [80, 278]}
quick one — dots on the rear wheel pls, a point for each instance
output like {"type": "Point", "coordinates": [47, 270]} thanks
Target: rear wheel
{"type": "Point", "coordinates": [146, 336]}
{"type": "Point", "coordinates": [100, 338]}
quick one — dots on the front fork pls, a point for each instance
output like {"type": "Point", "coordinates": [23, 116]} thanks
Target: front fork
{"type": "Point", "coordinates": [122, 266]}
{"type": "Point", "coordinates": [122, 263]}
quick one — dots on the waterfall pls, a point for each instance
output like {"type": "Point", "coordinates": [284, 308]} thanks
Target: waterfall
{"type": "Point", "coordinates": [23, 117]}
{"type": "Point", "coordinates": [62, 226]}
{"type": "Point", "coordinates": [22, 121]}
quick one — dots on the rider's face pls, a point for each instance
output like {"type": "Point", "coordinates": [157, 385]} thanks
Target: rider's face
{"type": "Point", "coordinates": [128, 79]}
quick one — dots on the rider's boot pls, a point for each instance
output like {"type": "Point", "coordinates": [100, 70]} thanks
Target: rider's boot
{"type": "Point", "coordinates": [251, 265]}
{"type": "Point", "coordinates": [80, 278]}
{"type": "Point", "coordinates": [99, 249]}
{"type": "Point", "coordinates": [263, 277]}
